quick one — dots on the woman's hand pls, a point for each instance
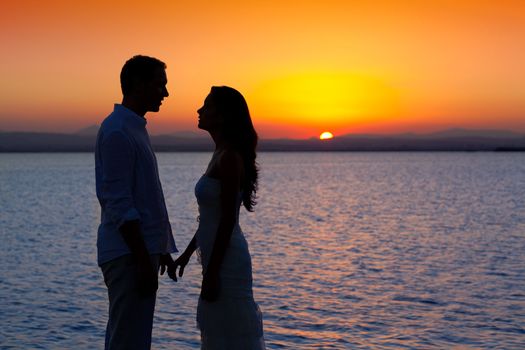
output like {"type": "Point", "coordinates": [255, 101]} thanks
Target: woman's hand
{"type": "Point", "coordinates": [180, 262]}
{"type": "Point", "coordinates": [210, 289]}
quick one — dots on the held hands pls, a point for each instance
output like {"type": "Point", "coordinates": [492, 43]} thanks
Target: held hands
{"type": "Point", "coordinates": [180, 262]}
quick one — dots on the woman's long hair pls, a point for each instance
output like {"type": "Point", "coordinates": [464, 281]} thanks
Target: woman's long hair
{"type": "Point", "coordinates": [240, 133]}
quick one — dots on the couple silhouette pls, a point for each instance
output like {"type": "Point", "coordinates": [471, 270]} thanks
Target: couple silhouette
{"type": "Point", "coordinates": [135, 240]}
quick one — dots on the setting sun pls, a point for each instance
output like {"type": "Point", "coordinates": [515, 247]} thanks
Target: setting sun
{"type": "Point", "coordinates": [326, 136]}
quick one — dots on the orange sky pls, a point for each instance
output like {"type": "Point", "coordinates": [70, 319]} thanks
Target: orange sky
{"type": "Point", "coordinates": [303, 66]}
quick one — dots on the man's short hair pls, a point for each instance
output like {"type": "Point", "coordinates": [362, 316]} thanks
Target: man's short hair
{"type": "Point", "coordinates": [138, 69]}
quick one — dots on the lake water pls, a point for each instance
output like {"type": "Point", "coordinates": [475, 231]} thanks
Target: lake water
{"type": "Point", "coordinates": [350, 250]}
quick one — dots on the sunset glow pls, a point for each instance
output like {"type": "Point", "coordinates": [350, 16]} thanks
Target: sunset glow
{"type": "Point", "coordinates": [364, 67]}
{"type": "Point", "coordinates": [317, 97]}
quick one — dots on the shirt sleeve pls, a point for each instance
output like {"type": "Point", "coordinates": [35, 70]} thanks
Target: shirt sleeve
{"type": "Point", "coordinates": [118, 160]}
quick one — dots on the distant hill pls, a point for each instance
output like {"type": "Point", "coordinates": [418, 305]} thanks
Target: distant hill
{"type": "Point", "coordinates": [446, 140]}
{"type": "Point", "coordinates": [89, 131]}
{"type": "Point", "coordinates": [84, 141]}
{"type": "Point", "coordinates": [188, 135]}
{"type": "Point", "coordinates": [501, 134]}
{"type": "Point", "coordinates": [449, 133]}
{"type": "Point", "coordinates": [45, 142]}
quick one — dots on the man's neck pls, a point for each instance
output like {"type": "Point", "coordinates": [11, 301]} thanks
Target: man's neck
{"type": "Point", "coordinates": [131, 104]}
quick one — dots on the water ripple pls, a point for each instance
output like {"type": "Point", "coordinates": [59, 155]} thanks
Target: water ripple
{"type": "Point", "coordinates": [350, 250]}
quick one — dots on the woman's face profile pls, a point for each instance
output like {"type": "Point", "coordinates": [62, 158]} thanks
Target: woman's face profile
{"type": "Point", "coordinates": [209, 119]}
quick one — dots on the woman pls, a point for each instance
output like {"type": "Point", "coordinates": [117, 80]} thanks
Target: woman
{"type": "Point", "coordinates": [227, 314]}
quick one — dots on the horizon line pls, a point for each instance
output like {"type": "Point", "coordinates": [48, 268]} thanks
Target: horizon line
{"type": "Point", "coordinates": [197, 134]}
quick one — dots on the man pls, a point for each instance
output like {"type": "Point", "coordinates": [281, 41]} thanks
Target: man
{"type": "Point", "coordinates": [134, 236]}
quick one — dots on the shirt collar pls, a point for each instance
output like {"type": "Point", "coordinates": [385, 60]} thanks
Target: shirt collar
{"type": "Point", "coordinates": [121, 109]}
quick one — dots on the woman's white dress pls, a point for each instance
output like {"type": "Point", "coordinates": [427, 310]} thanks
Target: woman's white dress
{"type": "Point", "coordinates": [234, 321]}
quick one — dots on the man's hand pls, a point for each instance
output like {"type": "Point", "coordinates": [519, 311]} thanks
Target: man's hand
{"type": "Point", "coordinates": [165, 263]}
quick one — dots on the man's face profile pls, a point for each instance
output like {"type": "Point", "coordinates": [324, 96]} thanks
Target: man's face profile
{"type": "Point", "coordinates": [154, 90]}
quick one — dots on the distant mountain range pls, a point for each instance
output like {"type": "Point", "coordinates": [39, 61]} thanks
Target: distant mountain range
{"type": "Point", "coordinates": [446, 140]}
